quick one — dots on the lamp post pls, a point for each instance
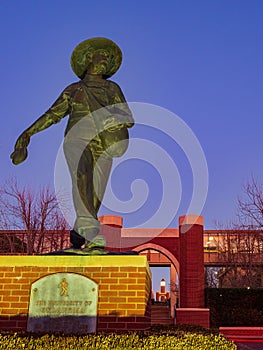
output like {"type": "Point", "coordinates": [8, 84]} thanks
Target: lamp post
{"type": "Point", "coordinates": [162, 295]}
{"type": "Point", "coordinates": [162, 285]}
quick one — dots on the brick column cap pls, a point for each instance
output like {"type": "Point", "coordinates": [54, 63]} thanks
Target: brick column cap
{"type": "Point", "coordinates": [193, 309]}
{"type": "Point", "coordinates": [111, 220]}
{"type": "Point", "coordinates": [191, 219]}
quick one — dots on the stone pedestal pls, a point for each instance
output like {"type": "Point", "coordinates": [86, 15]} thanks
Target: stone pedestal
{"type": "Point", "coordinates": [124, 291]}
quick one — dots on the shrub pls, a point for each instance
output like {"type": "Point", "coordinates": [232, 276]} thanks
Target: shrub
{"type": "Point", "coordinates": [235, 306]}
{"type": "Point", "coordinates": [127, 341]}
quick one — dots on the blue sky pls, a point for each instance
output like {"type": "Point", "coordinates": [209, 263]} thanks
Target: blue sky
{"type": "Point", "coordinates": [202, 60]}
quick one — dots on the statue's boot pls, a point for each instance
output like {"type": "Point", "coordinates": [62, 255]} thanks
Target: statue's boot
{"type": "Point", "coordinates": [76, 240]}
{"type": "Point", "coordinates": [96, 246]}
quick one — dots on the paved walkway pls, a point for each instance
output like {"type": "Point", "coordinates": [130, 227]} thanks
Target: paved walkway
{"type": "Point", "coordinates": [250, 346]}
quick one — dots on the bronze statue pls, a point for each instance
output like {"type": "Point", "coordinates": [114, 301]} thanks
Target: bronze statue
{"type": "Point", "coordinates": [100, 102]}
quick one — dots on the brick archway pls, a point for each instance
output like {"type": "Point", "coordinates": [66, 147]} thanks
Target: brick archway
{"type": "Point", "coordinates": [174, 269]}
{"type": "Point", "coordinates": [174, 260]}
{"type": "Point", "coordinates": [183, 246]}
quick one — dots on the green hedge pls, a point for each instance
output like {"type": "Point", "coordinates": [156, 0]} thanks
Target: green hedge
{"type": "Point", "coordinates": [159, 337]}
{"type": "Point", "coordinates": [235, 306]}
{"type": "Point", "coordinates": [113, 341]}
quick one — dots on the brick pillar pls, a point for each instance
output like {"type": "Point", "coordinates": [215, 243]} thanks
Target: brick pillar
{"type": "Point", "coordinates": [191, 261]}
{"type": "Point", "coordinates": [111, 226]}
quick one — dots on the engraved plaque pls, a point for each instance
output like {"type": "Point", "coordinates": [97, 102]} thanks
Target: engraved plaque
{"type": "Point", "coordinates": [63, 302]}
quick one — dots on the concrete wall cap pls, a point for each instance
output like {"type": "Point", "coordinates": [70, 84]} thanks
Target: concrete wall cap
{"type": "Point", "coordinates": [192, 309]}
{"type": "Point", "coordinates": [111, 220]}
{"type": "Point", "coordinates": [191, 219]}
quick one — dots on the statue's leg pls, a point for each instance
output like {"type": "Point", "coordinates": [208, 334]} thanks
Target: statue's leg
{"type": "Point", "coordinates": [86, 225]}
{"type": "Point", "coordinates": [102, 164]}
{"type": "Point", "coordinates": [102, 169]}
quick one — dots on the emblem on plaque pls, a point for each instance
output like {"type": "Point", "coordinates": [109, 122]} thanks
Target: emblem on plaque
{"type": "Point", "coordinates": [63, 285]}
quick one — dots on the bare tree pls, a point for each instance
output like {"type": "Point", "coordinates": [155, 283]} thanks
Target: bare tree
{"type": "Point", "coordinates": [241, 254]}
{"type": "Point", "coordinates": [250, 205]}
{"type": "Point", "coordinates": [211, 276]}
{"type": "Point", "coordinates": [174, 288]}
{"type": "Point", "coordinates": [33, 214]}
{"type": "Point", "coordinates": [237, 253]}
{"type": "Point", "coordinates": [239, 245]}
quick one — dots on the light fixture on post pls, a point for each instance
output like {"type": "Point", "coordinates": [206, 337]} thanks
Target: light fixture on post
{"type": "Point", "coordinates": [162, 296]}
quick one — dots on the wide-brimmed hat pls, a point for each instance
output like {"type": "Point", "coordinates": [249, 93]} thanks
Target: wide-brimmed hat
{"type": "Point", "coordinates": [82, 56]}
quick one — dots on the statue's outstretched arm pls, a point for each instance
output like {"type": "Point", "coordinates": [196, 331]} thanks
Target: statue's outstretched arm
{"type": "Point", "coordinates": [54, 114]}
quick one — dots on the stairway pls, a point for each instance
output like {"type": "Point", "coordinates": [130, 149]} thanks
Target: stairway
{"type": "Point", "coordinates": [161, 315]}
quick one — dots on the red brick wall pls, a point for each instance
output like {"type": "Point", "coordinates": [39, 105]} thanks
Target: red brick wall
{"type": "Point", "coordinates": [248, 333]}
{"type": "Point", "coordinates": [200, 317]}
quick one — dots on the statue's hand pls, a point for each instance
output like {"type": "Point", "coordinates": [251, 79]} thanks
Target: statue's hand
{"type": "Point", "coordinates": [113, 124]}
{"type": "Point", "coordinates": [19, 155]}
{"type": "Point", "coordinates": [20, 152]}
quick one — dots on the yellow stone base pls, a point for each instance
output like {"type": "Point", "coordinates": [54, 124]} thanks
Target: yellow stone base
{"type": "Point", "coordinates": [124, 287]}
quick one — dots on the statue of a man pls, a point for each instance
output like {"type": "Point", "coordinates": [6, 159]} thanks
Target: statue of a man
{"type": "Point", "coordinates": [90, 148]}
